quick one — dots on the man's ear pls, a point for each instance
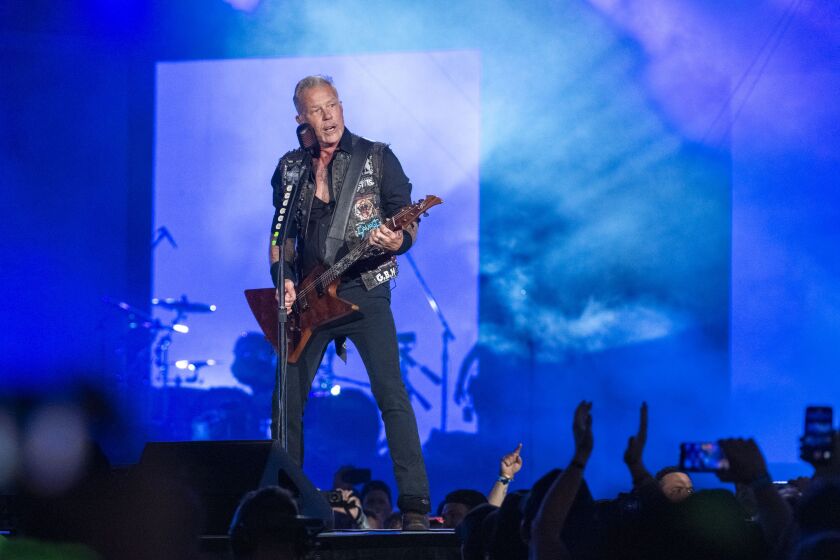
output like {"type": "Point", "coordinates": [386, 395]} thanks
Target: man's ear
{"type": "Point", "coordinates": [298, 119]}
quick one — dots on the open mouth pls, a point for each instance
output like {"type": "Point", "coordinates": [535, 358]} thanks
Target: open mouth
{"type": "Point", "coordinates": [330, 129]}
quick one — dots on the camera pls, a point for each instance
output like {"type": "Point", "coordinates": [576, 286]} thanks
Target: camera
{"type": "Point", "coordinates": [334, 497]}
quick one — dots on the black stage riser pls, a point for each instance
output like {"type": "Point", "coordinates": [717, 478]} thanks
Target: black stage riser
{"type": "Point", "coordinates": [386, 545]}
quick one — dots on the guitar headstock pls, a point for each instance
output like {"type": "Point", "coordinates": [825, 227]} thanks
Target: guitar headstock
{"type": "Point", "coordinates": [410, 213]}
{"type": "Point", "coordinates": [428, 202]}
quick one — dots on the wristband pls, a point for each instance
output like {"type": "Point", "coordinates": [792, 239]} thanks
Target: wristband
{"type": "Point", "coordinates": [275, 272]}
{"type": "Point", "coordinates": [288, 272]}
{"type": "Point", "coordinates": [504, 480]}
{"type": "Point", "coordinates": [406, 244]}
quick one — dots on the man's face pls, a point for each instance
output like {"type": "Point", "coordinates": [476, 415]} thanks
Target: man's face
{"type": "Point", "coordinates": [453, 513]}
{"type": "Point", "coordinates": [377, 502]}
{"type": "Point", "coordinates": [321, 108]}
{"type": "Point", "coordinates": [676, 486]}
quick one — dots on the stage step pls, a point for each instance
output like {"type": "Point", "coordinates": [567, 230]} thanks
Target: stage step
{"type": "Point", "coordinates": [436, 544]}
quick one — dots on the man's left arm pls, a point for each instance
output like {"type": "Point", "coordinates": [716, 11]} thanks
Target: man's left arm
{"type": "Point", "coordinates": [395, 193]}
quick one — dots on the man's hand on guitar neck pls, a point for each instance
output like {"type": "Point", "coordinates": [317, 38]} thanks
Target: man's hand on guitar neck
{"type": "Point", "coordinates": [291, 294]}
{"type": "Point", "coordinates": [386, 239]}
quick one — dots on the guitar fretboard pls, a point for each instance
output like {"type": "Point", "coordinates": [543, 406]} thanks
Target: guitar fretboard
{"type": "Point", "coordinates": [397, 222]}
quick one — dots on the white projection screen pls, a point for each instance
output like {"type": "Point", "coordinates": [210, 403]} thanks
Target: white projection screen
{"type": "Point", "coordinates": [221, 126]}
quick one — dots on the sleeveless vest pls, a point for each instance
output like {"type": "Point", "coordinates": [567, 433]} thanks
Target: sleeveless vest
{"type": "Point", "coordinates": [365, 211]}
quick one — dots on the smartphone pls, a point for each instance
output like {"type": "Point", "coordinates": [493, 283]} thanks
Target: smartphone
{"type": "Point", "coordinates": [705, 456]}
{"type": "Point", "coordinates": [817, 443]}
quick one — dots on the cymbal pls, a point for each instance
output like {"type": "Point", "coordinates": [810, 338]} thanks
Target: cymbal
{"type": "Point", "coordinates": [194, 365]}
{"type": "Point", "coordinates": [183, 305]}
{"type": "Point", "coordinates": [139, 319]}
{"type": "Point", "coordinates": [131, 310]}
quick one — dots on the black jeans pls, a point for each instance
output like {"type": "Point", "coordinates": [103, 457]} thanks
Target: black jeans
{"type": "Point", "coordinates": [375, 337]}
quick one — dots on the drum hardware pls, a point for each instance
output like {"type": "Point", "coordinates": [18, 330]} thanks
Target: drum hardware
{"type": "Point", "coordinates": [405, 343]}
{"type": "Point", "coordinates": [446, 336]}
{"type": "Point", "coordinates": [183, 305]}
{"type": "Point", "coordinates": [193, 367]}
{"type": "Point", "coordinates": [327, 382]}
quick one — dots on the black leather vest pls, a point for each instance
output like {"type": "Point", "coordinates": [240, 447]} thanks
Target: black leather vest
{"type": "Point", "coordinates": [365, 212]}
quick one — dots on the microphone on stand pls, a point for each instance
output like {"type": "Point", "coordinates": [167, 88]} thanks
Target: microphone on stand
{"type": "Point", "coordinates": [308, 141]}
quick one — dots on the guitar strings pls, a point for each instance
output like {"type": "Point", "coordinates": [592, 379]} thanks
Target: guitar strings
{"type": "Point", "coordinates": [326, 278]}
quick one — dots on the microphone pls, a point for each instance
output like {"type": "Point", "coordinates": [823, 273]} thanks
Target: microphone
{"type": "Point", "coordinates": [162, 233]}
{"type": "Point", "coordinates": [308, 141]}
{"type": "Point", "coordinates": [168, 236]}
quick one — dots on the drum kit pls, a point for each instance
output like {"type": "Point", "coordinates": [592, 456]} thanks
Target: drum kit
{"type": "Point", "coordinates": [179, 406]}
{"type": "Point", "coordinates": [162, 334]}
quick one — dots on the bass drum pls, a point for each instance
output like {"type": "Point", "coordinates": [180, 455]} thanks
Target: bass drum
{"type": "Point", "coordinates": [254, 362]}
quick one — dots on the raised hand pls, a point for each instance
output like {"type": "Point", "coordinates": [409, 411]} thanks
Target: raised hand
{"type": "Point", "coordinates": [350, 505]}
{"type": "Point", "coordinates": [511, 463]}
{"type": "Point", "coordinates": [746, 463]}
{"type": "Point", "coordinates": [831, 467]}
{"type": "Point", "coordinates": [582, 431]}
{"type": "Point", "coordinates": [509, 466]}
{"type": "Point", "coordinates": [636, 444]}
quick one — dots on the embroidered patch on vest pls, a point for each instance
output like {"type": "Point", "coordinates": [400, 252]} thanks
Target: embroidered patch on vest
{"type": "Point", "coordinates": [365, 214]}
{"type": "Point", "coordinates": [363, 208]}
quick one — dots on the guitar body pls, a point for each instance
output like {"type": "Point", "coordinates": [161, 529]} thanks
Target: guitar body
{"type": "Point", "coordinates": [315, 308]}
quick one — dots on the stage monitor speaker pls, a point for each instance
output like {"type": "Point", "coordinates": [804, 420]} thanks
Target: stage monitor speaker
{"type": "Point", "coordinates": [221, 472]}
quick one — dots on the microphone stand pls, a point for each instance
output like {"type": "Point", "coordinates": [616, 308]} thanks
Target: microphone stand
{"type": "Point", "coordinates": [280, 423]}
{"type": "Point", "coordinates": [446, 336]}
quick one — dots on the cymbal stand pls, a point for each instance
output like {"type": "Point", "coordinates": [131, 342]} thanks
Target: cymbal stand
{"type": "Point", "coordinates": [327, 378]}
{"type": "Point", "coordinates": [406, 363]}
{"type": "Point", "coordinates": [446, 336]}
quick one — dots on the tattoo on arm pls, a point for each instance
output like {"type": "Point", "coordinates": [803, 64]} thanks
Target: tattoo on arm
{"type": "Point", "coordinates": [274, 252]}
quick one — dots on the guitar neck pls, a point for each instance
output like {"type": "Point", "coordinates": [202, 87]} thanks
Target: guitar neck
{"type": "Point", "coordinates": [402, 218]}
{"type": "Point", "coordinates": [345, 262]}
{"type": "Point", "coordinates": [359, 251]}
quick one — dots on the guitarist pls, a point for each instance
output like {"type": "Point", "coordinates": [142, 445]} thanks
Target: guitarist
{"type": "Point", "coordinates": [358, 209]}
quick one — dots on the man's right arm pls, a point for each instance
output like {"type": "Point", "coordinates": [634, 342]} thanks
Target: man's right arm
{"type": "Point", "coordinates": [274, 248]}
{"type": "Point", "coordinates": [289, 278]}
{"type": "Point", "coordinates": [274, 260]}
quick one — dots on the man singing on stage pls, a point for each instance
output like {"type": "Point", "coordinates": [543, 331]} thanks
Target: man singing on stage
{"type": "Point", "coordinates": [333, 217]}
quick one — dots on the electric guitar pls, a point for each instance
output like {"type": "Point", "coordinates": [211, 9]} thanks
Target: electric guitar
{"type": "Point", "coordinates": [317, 303]}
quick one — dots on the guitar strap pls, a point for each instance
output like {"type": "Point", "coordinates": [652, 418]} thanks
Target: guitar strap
{"type": "Point", "coordinates": [344, 204]}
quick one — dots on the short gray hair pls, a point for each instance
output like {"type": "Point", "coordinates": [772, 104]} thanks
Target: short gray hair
{"type": "Point", "coordinates": [316, 80]}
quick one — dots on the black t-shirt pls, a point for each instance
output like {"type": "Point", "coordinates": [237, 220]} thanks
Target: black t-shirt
{"type": "Point", "coordinates": [317, 231]}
